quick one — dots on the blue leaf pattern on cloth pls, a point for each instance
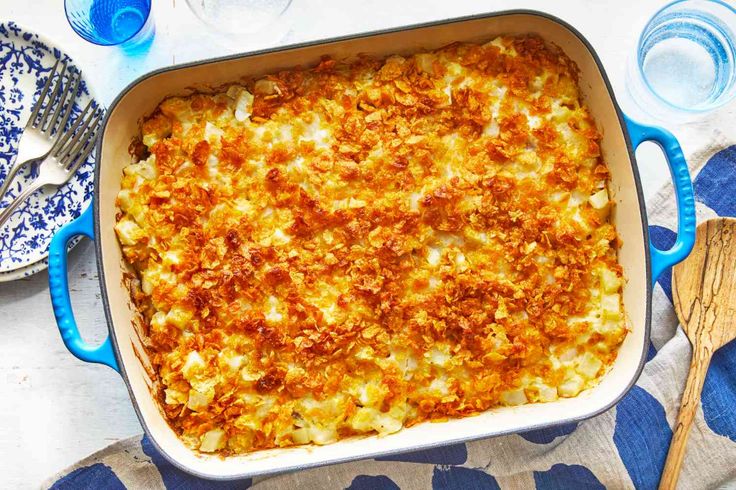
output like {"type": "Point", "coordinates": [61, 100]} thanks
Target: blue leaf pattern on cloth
{"type": "Point", "coordinates": [455, 454]}
{"type": "Point", "coordinates": [564, 477]}
{"type": "Point", "coordinates": [366, 482]}
{"type": "Point", "coordinates": [176, 479]}
{"type": "Point", "coordinates": [716, 183]}
{"type": "Point", "coordinates": [545, 436]}
{"type": "Point", "coordinates": [642, 437]}
{"type": "Point", "coordinates": [93, 477]}
{"type": "Point", "coordinates": [719, 393]}
{"type": "Point", "coordinates": [459, 478]}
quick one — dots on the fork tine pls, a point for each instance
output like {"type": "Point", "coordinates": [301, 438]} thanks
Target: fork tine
{"type": "Point", "coordinates": [72, 169]}
{"type": "Point", "coordinates": [53, 122]}
{"type": "Point", "coordinates": [60, 144]}
{"type": "Point", "coordinates": [44, 118]}
{"type": "Point", "coordinates": [76, 143]}
{"type": "Point", "coordinates": [87, 132]}
{"type": "Point", "coordinates": [69, 107]}
{"type": "Point", "coordinates": [39, 102]}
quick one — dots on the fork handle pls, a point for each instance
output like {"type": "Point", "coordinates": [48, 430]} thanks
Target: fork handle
{"type": "Point", "coordinates": [5, 213]}
{"type": "Point", "coordinates": [11, 176]}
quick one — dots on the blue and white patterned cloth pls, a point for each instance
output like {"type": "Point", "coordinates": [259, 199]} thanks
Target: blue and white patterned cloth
{"type": "Point", "coordinates": [624, 447]}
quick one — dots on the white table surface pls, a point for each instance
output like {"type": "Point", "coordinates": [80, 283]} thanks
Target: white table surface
{"type": "Point", "coordinates": [55, 409]}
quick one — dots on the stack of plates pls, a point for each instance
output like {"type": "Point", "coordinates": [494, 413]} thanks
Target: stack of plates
{"type": "Point", "coordinates": [26, 60]}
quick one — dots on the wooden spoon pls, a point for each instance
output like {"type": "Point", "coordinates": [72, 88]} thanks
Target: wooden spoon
{"type": "Point", "coordinates": [704, 293]}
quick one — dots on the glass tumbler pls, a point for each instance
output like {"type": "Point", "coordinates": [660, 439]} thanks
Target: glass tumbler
{"type": "Point", "coordinates": [685, 64]}
{"type": "Point", "coordinates": [244, 23]}
{"type": "Point", "coordinates": [127, 23]}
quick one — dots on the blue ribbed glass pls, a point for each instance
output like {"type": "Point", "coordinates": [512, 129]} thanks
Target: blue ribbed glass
{"type": "Point", "coordinates": [112, 22]}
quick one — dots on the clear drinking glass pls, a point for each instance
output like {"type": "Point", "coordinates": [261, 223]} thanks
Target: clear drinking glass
{"type": "Point", "coordinates": [242, 23]}
{"type": "Point", "coordinates": [685, 64]}
{"type": "Point", "coordinates": [127, 23]}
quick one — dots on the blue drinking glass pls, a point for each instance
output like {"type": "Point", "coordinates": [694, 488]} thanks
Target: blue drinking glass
{"type": "Point", "coordinates": [125, 23]}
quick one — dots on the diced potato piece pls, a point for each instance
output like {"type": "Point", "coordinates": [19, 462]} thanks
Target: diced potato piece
{"type": "Point", "coordinates": [193, 365]}
{"type": "Point", "coordinates": [439, 355]}
{"type": "Point", "coordinates": [547, 393]}
{"type": "Point", "coordinates": [247, 375]}
{"type": "Point", "coordinates": [599, 200]}
{"type": "Point", "coordinates": [147, 278]}
{"type": "Point", "coordinates": [150, 139]}
{"type": "Point", "coordinates": [125, 199]}
{"type": "Point", "coordinates": [171, 258]}
{"type": "Point", "coordinates": [142, 169]}
{"type": "Point", "coordinates": [300, 436]}
{"type": "Point", "coordinates": [568, 355]}
{"type": "Point", "coordinates": [240, 442]}
{"type": "Point", "coordinates": [247, 421]}
{"type": "Point", "coordinates": [610, 282]}
{"type": "Point", "coordinates": [433, 256]}
{"type": "Point", "coordinates": [514, 397]}
{"type": "Point", "coordinates": [367, 419]}
{"type": "Point", "coordinates": [571, 386]}
{"type": "Point", "coordinates": [492, 129]}
{"type": "Point", "coordinates": [265, 87]}
{"type": "Point", "coordinates": [234, 362]}
{"type": "Point", "coordinates": [356, 203]}
{"type": "Point", "coordinates": [128, 231]}
{"type": "Point", "coordinates": [158, 321]}
{"type": "Point", "coordinates": [461, 264]}
{"type": "Point", "coordinates": [363, 418]}
{"type": "Point", "coordinates": [589, 365]}
{"type": "Point", "coordinates": [212, 441]}
{"type": "Point", "coordinates": [233, 91]}
{"type": "Point", "coordinates": [322, 436]}
{"type": "Point", "coordinates": [243, 105]}
{"type": "Point", "coordinates": [425, 62]}
{"type": "Point", "coordinates": [611, 306]}
{"type": "Point", "coordinates": [385, 424]}
{"type": "Point", "coordinates": [175, 397]}
{"type": "Point", "coordinates": [212, 133]}
{"type": "Point", "coordinates": [438, 387]}
{"type": "Point", "coordinates": [372, 394]}
{"type": "Point", "coordinates": [578, 218]}
{"type": "Point", "coordinates": [179, 317]}
{"type": "Point", "coordinates": [138, 211]}
{"type": "Point", "coordinates": [198, 400]}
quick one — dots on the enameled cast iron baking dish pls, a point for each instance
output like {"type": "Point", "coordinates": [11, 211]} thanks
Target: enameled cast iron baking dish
{"type": "Point", "coordinates": [642, 262]}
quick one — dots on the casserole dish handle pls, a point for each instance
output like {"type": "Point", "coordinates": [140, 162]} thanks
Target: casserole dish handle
{"type": "Point", "coordinates": [59, 289]}
{"type": "Point", "coordinates": [662, 259]}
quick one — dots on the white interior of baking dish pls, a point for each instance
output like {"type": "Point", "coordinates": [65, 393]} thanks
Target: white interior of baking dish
{"type": "Point", "coordinates": [142, 98]}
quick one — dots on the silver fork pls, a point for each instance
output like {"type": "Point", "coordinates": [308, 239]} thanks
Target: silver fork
{"type": "Point", "coordinates": [66, 156]}
{"type": "Point", "coordinates": [43, 129]}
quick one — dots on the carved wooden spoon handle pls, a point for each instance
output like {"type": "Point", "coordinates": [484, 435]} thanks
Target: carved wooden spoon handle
{"type": "Point", "coordinates": [690, 400]}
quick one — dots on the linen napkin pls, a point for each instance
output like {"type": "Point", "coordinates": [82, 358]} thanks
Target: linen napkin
{"type": "Point", "coordinates": [624, 447]}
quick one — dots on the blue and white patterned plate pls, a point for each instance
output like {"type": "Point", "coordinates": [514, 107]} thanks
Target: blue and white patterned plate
{"type": "Point", "coordinates": [26, 60]}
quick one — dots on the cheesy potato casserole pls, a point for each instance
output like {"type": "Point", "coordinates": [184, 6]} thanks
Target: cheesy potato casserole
{"type": "Point", "coordinates": [361, 246]}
